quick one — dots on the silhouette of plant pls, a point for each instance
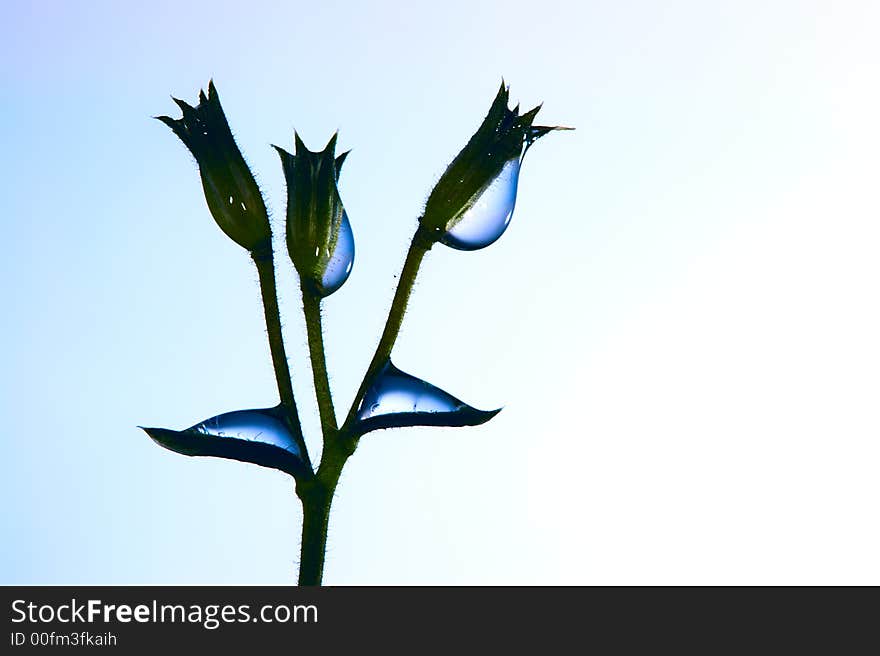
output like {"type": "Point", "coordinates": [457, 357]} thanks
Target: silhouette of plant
{"type": "Point", "coordinates": [468, 209]}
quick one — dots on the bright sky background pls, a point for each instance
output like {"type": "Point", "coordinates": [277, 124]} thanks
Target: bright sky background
{"type": "Point", "coordinates": [681, 322]}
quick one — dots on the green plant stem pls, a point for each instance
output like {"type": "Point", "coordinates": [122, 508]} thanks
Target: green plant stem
{"type": "Point", "coordinates": [314, 329]}
{"type": "Point", "coordinates": [339, 444]}
{"type": "Point", "coordinates": [266, 273]}
{"type": "Point", "coordinates": [420, 245]}
{"type": "Point", "coordinates": [316, 518]}
{"type": "Point", "coordinates": [317, 497]}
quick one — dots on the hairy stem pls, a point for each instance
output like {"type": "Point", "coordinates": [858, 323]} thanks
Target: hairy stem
{"type": "Point", "coordinates": [266, 273]}
{"type": "Point", "coordinates": [417, 250]}
{"type": "Point", "coordinates": [317, 494]}
{"type": "Point", "coordinates": [316, 519]}
{"type": "Point", "coordinates": [312, 311]}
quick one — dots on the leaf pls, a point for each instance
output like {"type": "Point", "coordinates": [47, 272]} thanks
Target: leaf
{"type": "Point", "coordinates": [395, 399]}
{"type": "Point", "coordinates": [261, 437]}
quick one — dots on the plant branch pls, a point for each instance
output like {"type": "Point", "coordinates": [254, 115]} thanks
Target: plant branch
{"type": "Point", "coordinates": [266, 273]}
{"type": "Point", "coordinates": [316, 519]}
{"type": "Point", "coordinates": [317, 494]}
{"type": "Point", "coordinates": [314, 329]}
{"type": "Point", "coordinates": [421, 244]}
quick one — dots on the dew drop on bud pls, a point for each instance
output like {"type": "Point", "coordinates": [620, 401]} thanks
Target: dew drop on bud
{"type": "Point", "coordinates": [487, 219]}
{"type": "Point", "coordinates": [340, 261]}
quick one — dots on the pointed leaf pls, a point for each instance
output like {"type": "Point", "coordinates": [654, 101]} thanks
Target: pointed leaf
{"type": "Point", "coordinates": [262, 437]}
{"type": "Point", "coordinates": [396, 399]}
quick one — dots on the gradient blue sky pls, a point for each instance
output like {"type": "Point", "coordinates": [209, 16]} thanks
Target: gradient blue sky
{"type": "Point", "coordinates": [689, 376]}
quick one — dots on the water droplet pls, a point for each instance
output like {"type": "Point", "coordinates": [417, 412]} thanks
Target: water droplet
{"type": "Point", "coordinates": [488, 218]}
{"type": "Point", "coordinates": [251, 425]}
{"type": "Point", "coordinates": [394, 391]}
{"type": "Point", "coordinates": [340, 262]}
{"type": "Point", "coordinates": [395, 399]}
{"type": "Point", "coordinates": [261, 437]}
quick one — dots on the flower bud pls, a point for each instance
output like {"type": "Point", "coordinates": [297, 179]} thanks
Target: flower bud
{"type": "Point", "coordinates": [319, 236]}
{"type": "Point", "coordinates": [233, 196]}
{"type": "Point", "coordinates": [479, 187]}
